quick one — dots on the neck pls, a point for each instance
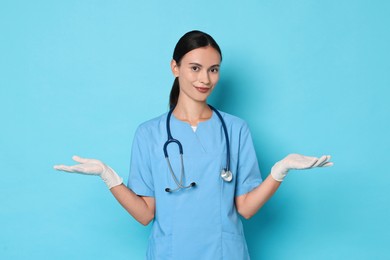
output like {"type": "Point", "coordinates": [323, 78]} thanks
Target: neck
{"type": "Point", "coordinates": [192, 112]}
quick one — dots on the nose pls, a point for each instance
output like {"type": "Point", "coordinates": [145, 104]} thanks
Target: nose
{"type": "Point", "coordinates": [204, 77]}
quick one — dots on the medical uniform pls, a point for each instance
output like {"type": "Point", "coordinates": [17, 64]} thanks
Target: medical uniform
{"type": "Point", "coordinates": [200, 222]}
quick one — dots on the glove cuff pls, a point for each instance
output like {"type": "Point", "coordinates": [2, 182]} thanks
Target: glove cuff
{"type": "Point", "coordinates": [278, 172]}
{"type": "Point", "coordinates": [110, 177]}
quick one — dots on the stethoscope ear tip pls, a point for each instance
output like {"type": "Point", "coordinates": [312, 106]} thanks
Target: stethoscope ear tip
{"type": "Point", "coordinates": [168, 190]}
{"type": "Point", "coordinates": [193, 184]}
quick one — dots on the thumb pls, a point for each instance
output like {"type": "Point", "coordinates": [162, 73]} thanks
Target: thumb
{"type": "Point", "coordinates": [81, 159]}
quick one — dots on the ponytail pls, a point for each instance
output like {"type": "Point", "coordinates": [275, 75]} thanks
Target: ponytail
{"type": "Point", "coordinates": [174, 96]}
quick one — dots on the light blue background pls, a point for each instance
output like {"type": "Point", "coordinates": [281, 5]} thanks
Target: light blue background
{"type": "Point", "coordinates": [77, 77]}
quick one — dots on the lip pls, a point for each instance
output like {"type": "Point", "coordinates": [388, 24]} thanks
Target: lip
{"type": "Point", "coordinates": [202, 90]}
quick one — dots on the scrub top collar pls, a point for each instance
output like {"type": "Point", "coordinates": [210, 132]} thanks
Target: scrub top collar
{"type": "Point", "coordinates": [212, 118]}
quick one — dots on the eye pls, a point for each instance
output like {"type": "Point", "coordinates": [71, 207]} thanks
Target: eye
{"type": "Point", "coordinates": [214, 70]}
{"type": "Point", "coordinates": [195, 68]}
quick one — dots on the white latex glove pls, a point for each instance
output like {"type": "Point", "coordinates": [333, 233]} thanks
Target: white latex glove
{"type": "Point", "coordinates": [93, 167]}
{"type": "Point", "coordinates": [298, 162]}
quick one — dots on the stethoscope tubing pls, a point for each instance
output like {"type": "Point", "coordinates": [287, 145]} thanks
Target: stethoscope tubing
{"type": "Point", "coordinates": [173, 140]}
{"type": "Point", "coordinates": [227, 168]}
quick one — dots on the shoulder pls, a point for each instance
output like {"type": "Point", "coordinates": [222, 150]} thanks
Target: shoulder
{"type": "Point", "coordinates": [152, 125]}
{"type": "Point", "coordinates": [233, 121]}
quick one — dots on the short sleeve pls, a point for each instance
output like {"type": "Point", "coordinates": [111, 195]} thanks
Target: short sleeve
{"type": "Point", "coordinates": [248, 172]}
{"type": "Point", "coordinates": [140, 177]}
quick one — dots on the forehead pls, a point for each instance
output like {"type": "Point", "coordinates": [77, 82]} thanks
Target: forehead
{"type": "Point", "coordinates": [205, 55]}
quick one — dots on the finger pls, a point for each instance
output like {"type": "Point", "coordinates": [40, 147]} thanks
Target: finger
{"type": "Point", "coordinates": [323, 159]}
{"type": "Point", "coordinates": [74, 169]}
{"type": "Point", "coordinates": [313, 163]}
{"type": "Point", "coordinates": [298, 161]}
{"type": "Point", "coordinates": [63, 168]}
{"type": "Point", "coordinates": [81, 159]}
{"type": "Point", "coordinates": [327, 164]}
{"type": "Point", "coordinates": [309, 162]}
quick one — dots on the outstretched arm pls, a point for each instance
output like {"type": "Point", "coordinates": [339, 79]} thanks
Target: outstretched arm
{"type": "Point", "coordinates": [248, 204]}
{"type": "Point", "coordinates": [141, 208]}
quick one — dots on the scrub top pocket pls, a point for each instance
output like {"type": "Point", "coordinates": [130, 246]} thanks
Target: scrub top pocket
{"type": "Point", "coordinates": [160, 248]}
{"type": "Point", "coordinates": [234, 247]}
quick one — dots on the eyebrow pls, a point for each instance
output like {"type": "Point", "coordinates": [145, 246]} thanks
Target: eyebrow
{"type": "Point", "coordinates": [197, 64]}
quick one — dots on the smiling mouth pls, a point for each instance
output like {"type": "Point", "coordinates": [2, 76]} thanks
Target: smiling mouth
{"type": "Point", "coordinates": [202, 90]}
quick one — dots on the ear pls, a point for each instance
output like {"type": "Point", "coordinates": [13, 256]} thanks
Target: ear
{"type": "Point", "coordinates": [175, 68]}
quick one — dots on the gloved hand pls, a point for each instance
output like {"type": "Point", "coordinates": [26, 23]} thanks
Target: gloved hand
{"type": "Point", "coordinates": [297, 162]}
{"type": "Point", "coordinates": [93, 167]}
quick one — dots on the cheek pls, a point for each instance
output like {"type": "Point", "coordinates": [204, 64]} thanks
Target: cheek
{"type": "Point", "coordinates": [187, 76]}
{"type": "Point", "coordinates": [215, 78]}
{"type": "Point", "coordinates": [186, 80]}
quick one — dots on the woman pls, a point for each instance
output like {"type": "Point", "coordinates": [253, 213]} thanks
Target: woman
{"type": "Point", "coordinates": [194, 170]}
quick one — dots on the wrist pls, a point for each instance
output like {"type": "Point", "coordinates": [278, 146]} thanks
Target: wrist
{"type": "Point", "coordinates": [110, 177]}
{"type": "Point", "coordinates": [279, 172]}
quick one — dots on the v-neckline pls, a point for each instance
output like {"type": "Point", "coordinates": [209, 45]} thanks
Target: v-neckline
{"type": "Point", "coordinates": [197, 126]}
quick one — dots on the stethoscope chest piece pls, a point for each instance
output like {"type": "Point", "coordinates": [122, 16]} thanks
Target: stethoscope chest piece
{"type": "Point", "coordinates": [226, 175]}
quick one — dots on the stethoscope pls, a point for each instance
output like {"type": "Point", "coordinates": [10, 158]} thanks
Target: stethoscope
{"type": "Point", "coordinates": [226, 174]}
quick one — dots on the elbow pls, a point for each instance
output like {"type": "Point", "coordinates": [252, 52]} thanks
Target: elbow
{"type": "Point", "coordinates": [246, 215]}
{"type": "Point", "coordinates": [245, 207]}
{"type": "Point", "coordinates": [145, 222]}
{"type": "Point", "coordinates": [146, 219]}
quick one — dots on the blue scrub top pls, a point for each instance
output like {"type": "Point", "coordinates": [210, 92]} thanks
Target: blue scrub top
{"type": "Point", "coordinates": [201, 222]}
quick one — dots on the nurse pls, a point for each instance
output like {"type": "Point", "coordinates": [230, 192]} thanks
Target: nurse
{"type": "Point", "coordinates": [194, 208]}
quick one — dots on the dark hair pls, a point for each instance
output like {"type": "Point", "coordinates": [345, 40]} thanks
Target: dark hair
{"type": "Point", "coordinates": [188, 42]}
